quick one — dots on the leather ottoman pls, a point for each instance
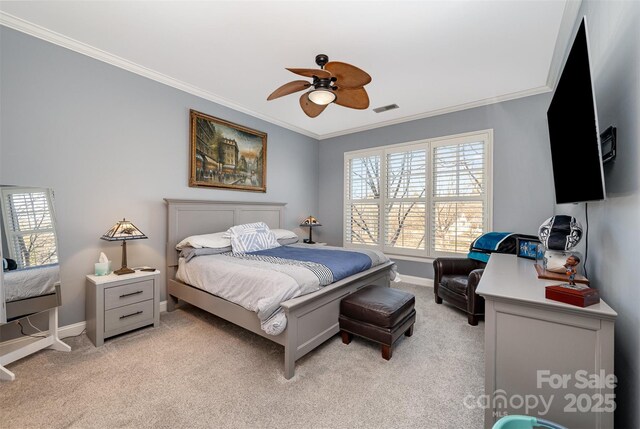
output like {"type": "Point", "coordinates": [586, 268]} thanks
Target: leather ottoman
{"type": "Point", "coordinates": [379, 314]}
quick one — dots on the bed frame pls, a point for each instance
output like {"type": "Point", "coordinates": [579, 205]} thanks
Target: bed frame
{"type": "Point", "coordinates": [311, 319]}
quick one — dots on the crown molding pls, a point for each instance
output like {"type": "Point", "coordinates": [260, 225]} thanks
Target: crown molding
{"type": "Point", "coordinates": [47, 35]}
{"type": "Point", "coordinates": [437, 112]}
{"type": "Point", "coordinates": [567, 23]}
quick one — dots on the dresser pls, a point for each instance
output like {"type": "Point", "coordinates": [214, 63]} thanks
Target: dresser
{"type": "Point", "coordinates": [118, 304]}
{"type": "Point", "coordinates": [543, 358]}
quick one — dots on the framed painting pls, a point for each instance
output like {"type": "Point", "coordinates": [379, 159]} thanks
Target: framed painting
{"type": "Point", "coordinates": [226, 155]}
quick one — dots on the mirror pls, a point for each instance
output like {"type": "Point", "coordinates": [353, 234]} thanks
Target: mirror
{"type": "Point", "coordinates": [29, 244]}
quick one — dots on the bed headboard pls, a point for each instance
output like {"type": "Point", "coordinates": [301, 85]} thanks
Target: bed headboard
{"type": "Point", "coordinates": [191, 217]}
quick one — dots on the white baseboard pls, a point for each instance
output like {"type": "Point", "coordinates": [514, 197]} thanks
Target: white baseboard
{"type": "Point", "coordinates": [420, 281]}
{"type": "Point", "coordinates": [72, 330]}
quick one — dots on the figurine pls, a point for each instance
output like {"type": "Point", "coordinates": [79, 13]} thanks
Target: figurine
{"type": "Point", "coordinates": [571, 268]}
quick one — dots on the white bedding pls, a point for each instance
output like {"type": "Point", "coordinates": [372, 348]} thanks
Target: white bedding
{"type": "Point", "coordinates": [21, 284]}
{"type": "Point", "coordinates": [257, 286]}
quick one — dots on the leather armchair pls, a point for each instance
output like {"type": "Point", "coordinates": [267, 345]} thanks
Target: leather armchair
{"type": "Point", "coordinates": [455, 281]}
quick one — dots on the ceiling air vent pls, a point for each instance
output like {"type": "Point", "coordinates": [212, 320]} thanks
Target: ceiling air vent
{"type": "Point", "coordinates": [385, 108]}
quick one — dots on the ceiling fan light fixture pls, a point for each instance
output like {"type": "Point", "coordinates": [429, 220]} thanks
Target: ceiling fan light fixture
{"type": "Point", "coordinates": [322, 96]}
{"type": "Point", "coordinates": [334, 82]}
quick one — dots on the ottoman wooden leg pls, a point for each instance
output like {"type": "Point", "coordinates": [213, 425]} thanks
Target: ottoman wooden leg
{"type": "Point", "coordinates": [409, 332]}
{"type": "Point", "coordinates": [346, 337]}
{"type": "Point", "coordinates": [386, 352]}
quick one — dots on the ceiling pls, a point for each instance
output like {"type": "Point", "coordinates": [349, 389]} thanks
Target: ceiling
{"type": "Point", "coordinates": [428, 57]}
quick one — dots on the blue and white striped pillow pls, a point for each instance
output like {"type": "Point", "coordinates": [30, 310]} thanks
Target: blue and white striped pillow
{"type": "Point", "coordinates": [252, 237]}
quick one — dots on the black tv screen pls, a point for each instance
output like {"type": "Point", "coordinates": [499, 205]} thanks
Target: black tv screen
{"type": "Point", "coordinates": [573, 130]}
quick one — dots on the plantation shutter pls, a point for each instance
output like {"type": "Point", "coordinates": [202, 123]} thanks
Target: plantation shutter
{"type": "Point", "coordinates": [29, 226]}
{"type": "Point", "coordinates": [405, 215]}
{"type": "Point", "coordinates": [459, 203]}
{"type": "Point", "coordinates": [422, 199]}
{"type": "Point", "coordinates": [362, 200]}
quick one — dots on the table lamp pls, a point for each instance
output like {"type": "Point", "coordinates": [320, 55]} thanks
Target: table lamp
{"type": "Point", "coordinates": [123, 231]}
{"type": "Point", "coordinates": [311, 222]}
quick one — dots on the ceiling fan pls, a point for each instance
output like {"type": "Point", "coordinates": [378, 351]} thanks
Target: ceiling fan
{"type": "Point", "coordinates": [333, 82]}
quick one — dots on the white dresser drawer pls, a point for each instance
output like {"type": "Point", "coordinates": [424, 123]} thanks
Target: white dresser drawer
{"type": "Point", "coordinates": [131, 293]}
{"type": "Point", "coordinates": [128, 315]}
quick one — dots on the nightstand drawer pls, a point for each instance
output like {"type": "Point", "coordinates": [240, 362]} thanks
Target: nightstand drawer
{"type": "Point", "coordinates": [128, 294]}
{"type": "Point", "coordinates": [128, 315]}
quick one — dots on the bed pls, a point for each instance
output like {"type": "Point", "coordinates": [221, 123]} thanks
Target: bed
{"type": "Point", "coordinates": [311, 319]}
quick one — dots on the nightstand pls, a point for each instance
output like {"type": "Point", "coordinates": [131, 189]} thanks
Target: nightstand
{"type": "Point", "coordinates": [118, 304]}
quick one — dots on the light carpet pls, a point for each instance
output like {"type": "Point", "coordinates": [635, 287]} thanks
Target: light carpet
{"type": "Point", "coordinates": [197, 370]}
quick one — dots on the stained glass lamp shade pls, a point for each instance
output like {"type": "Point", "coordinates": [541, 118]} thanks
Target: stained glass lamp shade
{"type": "Point", "coordinates": [311, 222]}
{"type": "Point", "coordinates": [123, 231]}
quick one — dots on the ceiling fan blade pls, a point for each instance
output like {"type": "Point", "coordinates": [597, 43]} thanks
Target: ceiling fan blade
{"type": "Point", "coordinates": [309, 107]}
{"type": "Point", "coordinates": [322, 74]}
{"type": "Point", "coordinates": [289, 88]}
{"type": "Point", "coordinates": [356, 98]}
{"type": "Point", "coordinates": [348, 76]}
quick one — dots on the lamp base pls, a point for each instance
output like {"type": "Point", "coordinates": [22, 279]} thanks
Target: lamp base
{"type": "Point", "coordinates": [307, 241]}
{"type": "Point", "coordinates": [123, 270]}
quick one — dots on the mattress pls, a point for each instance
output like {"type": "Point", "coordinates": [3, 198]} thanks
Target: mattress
{"type": "Point", "coordinates": [30, 282]}
{"type": "Point", "coordinates": [261, 281]}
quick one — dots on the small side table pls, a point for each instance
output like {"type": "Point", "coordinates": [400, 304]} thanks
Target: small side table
{"type": "Point", "coordinates": [118, 304]}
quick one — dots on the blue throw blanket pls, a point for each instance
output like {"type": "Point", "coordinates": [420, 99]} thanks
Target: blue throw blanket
{"type": "Point", "coordinates": [341, 263]}
{"type": "Point", "coordinates": [483, 246]}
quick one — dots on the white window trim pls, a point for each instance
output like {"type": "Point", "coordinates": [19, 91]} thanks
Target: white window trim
{"type": "Point", "coordinates": [412, 254]}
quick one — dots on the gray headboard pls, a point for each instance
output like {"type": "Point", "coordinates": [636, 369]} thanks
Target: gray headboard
{"type": "Point", "coordinates": [191, 217]}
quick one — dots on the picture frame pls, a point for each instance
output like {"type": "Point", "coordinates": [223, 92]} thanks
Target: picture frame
{"type": "Point", "coordinates": [527, 248]}
{"type": "Point", "coordinates": [226, 155]}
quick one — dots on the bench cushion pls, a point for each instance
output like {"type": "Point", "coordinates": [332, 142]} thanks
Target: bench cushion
{"type": "Point", "coordinates": [378, 305]}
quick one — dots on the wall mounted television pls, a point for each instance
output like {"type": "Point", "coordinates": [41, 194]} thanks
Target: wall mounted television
{"type": "Point", "coordinates": [576, 154]}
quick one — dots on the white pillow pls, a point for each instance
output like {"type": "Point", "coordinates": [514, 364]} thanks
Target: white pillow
{"type": "Point", "coordinates": [284, 233]}
{"type": "Point", "coordinates": [213, 241]}
{"type": "Point", "coordinates": [252, 237]}
{"type": "Point", "coordinates": [287, 241]}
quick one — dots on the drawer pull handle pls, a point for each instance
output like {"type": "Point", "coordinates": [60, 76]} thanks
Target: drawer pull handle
{"type": "Point", "coordinates": [132, 314]}
{"type": "Point", "coordinates": [130, 294]}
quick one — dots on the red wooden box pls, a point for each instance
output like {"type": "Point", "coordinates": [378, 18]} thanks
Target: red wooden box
{"type": "Point", "coordinates": [580, 296]}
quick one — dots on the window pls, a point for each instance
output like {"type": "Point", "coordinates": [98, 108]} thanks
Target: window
{"type": "Point", "coordinates": [424, 199]}
{"type": "Point", "coordinates": [29, 226]}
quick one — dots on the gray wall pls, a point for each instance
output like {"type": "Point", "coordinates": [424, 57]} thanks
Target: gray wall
{"type": "Point", "coordinates": [614, 224]}
{"type": "Point", "coordinates": [113, 144]}
{"type": "Point", "coordinates": [522, 181]}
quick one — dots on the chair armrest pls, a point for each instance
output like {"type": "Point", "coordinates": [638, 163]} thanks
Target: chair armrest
{"type": "Point", "coordinates": [475, 303]}
{"type": "Point", "coordinates": [474, 279]}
